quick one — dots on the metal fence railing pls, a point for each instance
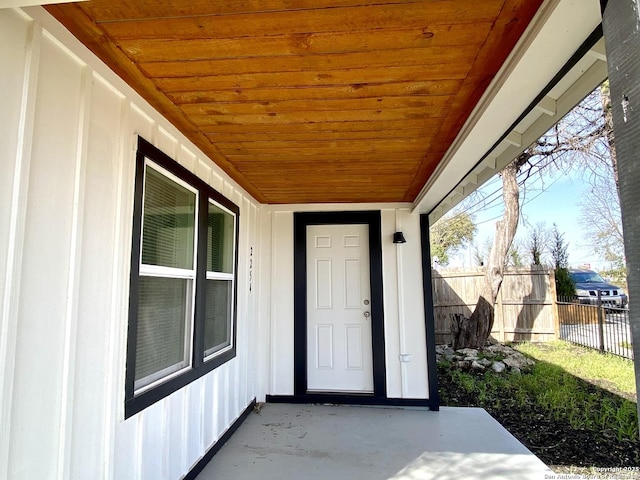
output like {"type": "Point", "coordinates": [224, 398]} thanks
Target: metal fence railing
{"type": "Point", "coordinates": [596, 326]}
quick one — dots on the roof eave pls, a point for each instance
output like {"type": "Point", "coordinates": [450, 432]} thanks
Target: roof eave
{"type": "Point", "coordinates": [558, 30]}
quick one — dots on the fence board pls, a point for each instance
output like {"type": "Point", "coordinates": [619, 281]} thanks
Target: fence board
{"type": "Point", "coordinates": [524, 310]}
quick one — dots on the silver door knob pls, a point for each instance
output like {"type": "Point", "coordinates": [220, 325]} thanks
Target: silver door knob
{"type": "Point", "coordinates": [367, 314]}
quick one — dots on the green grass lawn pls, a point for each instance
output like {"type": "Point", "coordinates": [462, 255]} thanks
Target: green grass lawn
{"type": "Point", "coordinates": [575, 408]}
{"type": "Point", "coordinates": [562, 392]}
{"type": "Point", "coordinates": [610, 372]}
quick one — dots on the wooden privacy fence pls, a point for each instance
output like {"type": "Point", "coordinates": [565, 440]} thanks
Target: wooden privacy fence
{"type": "Point", "coordinates": [525, 308]}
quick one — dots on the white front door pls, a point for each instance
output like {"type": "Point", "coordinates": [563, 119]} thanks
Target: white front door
{"type": "Point", "coordinates": [339, 347]}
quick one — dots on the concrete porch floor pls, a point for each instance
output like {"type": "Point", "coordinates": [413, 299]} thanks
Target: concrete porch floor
{"type": "Point", "coordinates": [316, 442]}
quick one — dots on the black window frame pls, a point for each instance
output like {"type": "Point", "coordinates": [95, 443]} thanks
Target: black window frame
{"type": "Point", "coordinates": [135, 403]}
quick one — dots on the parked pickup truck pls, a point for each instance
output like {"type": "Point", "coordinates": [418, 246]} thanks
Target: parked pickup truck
{"type": "Point", "coordinates": [589, 283]}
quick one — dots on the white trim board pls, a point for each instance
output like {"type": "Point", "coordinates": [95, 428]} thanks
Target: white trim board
{"type": "Point", "coordinates": [31, 3]}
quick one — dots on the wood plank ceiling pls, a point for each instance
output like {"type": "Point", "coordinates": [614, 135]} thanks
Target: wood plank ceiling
{"type": "Point", "coordinates": [308, 101]}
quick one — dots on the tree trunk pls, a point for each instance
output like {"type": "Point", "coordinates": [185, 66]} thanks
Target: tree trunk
{"type": "Point", "coordinates": [474, 331]}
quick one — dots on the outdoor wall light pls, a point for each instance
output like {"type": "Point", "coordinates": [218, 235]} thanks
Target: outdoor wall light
{"type": "Point", "coordinates": [398, 237]}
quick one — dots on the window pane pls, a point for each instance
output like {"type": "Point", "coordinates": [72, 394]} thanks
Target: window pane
{"type": "Point", "coordinates": [220, 235]}
{"type": "Point", "coordinates": [169, 218]}
{"type": "Point", "coordinates": [163, 331]}
{"type": "Point", "coordinates": [217, 322]}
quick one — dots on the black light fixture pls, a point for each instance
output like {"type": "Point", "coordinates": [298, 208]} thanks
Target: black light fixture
{"type": "Point", "coordinates": [398, 237]}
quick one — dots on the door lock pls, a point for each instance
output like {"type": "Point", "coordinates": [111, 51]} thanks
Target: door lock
{"type": "Point", "coordinates": [367, 314]}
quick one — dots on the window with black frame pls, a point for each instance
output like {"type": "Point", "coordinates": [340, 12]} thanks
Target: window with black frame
{"type": "Point", "coordinates": [183, 280]}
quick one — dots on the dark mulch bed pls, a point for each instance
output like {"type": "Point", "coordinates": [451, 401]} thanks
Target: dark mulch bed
{"type": "Point", "coordinates": [556, 443]}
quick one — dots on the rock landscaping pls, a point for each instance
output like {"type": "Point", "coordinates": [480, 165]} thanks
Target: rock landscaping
{"type": "Point", "coordinates": [499, 358]}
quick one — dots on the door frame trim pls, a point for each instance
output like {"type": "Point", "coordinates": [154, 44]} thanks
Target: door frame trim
{"type": "Point", "coordinates": [300, 222]}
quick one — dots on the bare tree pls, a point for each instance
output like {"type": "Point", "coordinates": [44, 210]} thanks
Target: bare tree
{"type": "Point", "coordinates": [600, 217]}
{"type": "Point", "coordinates": [515, 257]}
{"type": "Point", "coordinates": [536, 243]}
{"type": "Point", "coordinates": [481, 252]}
{"type": "Point", "coordinates": [582, 138]}
{"type": "Point", "coordinates": [474, 331]}
{"type": "Point", "coordinates": [478, 256]}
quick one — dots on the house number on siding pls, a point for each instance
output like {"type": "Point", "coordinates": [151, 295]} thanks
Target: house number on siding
{"type": "Point", "coordinates": [250, 268]}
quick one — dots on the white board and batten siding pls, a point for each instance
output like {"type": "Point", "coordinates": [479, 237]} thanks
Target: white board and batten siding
{"type": "Point", "coordinates": [68, 130]}
{"type": "Point", "coordinates": [404, 321]}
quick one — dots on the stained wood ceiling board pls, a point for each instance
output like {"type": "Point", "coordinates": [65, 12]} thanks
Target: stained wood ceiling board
{"type": "Point", "coordinates": [219, 70]}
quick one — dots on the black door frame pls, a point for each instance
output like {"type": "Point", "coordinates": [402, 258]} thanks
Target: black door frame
{"type": "Point", "coordinates": [300, 222]}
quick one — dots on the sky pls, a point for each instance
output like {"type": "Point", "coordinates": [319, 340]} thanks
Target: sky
{"type": "Point", "coordinates": [552, 198]}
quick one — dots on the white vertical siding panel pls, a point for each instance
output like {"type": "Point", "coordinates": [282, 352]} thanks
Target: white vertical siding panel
{"type": "Point", "coordinates": [390, 282]}
{"type": "Point", "coordinates": [39, 360]}
{"type": "Point", "coordinates": [242, 344]}
{"type": "Point", "coordinates": [14, 85]}
{"type": "Point", "coordinates": [167, 142]}
{"type": "Point", "coordinates": [116, 328]}
{"type": "Point", "coordinates": [263, 281]}
{"type": "Point", "coordinates": [215, 408]}
{"type": "Point", "coordinates": [221, 375]}
{"type": "Point", "coordinates": [239, 363]}
{"type": "Point", "coordinates": [208, 422]}
{"type": "Point", "coordinates": [413, 308]}
{"type": "Point", "coordinates": [127, 451]}
{"type": "Point", "coordinates": [223, 379]}
{"type": "Point", "coordinates": [195, 448]}
{"type": "Point", "coordinates": [126, 447]}
{"type": "Point", "coordinates": [203, 169]}
{"type": "Point", "coordinates": [18, 83]}
{"type": "Point", "coordinates": [177, 438]}
{"type": "Point", "coordinates": [153, 441]}
{"type": "Point", "coordinates": [282, 303]}
{"type": "Point", "coordinates": [73, 283]}
{"type": "Point", "coordinates": [244, 322]}
{"type": "Point", "coordinates": [216, 181]}
{"type": "Point", "coordinates": [95, 289]}
{"type": "Point", "coordinates": [71, 297]}
{"type": "Point", "coordinates": [186, 158]}
{"type": "Point", "coordinates": [142, 125]}
{"type": "Point", "coordinates": [231, 382]}
{"type": "Point", "coordinates": [235, 195]}
{"type": "Point", "coordinates": [227, 190]}
{"type": "Point", "coordinates": [166, 438]}
{"type": "Point", "coordinates": [252, 315]}
{"type": "Point", "coordinates": [230, 385]}
{"type": "Point", "coordinates": [239, 399]}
